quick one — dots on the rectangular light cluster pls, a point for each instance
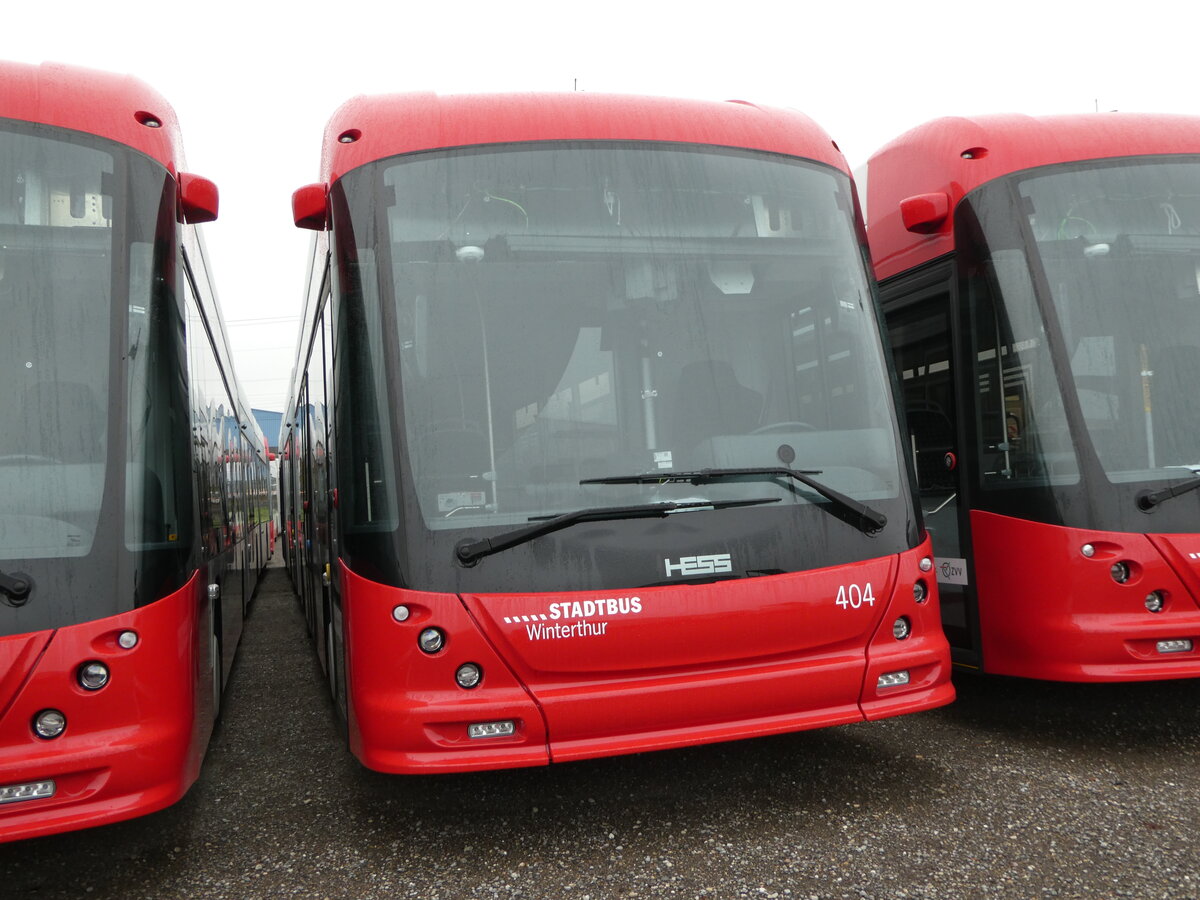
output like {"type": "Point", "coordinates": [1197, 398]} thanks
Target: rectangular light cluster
{"type": "Point", "coordinates": [491, 729]}
{"type": "Point", "coordinates": [34, 790]}
{"type": "Point", "coordinates": [1178, 645]}
{"type": "Point", "coordinates": [893, 679]}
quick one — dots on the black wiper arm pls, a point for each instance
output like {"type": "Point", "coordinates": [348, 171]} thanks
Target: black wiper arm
{"type": "Point", "coordinates": [467, 552]}
{"type": "Point", "coordinates": [1147, 500]}
{"type": "Point", "coordinates": [872, 519]}
{"type": "Point", "coordinates": [16, 587]}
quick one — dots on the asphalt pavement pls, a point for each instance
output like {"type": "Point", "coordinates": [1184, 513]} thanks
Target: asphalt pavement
{"type": "Point", "coordinates": [1018, 790]}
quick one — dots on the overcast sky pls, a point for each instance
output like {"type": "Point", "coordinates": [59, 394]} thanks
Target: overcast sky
{"type": "Point", "coordinates": [253, 84]}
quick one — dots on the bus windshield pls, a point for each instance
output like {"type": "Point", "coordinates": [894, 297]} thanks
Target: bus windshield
{"type": "Point", "coordinates": [88, 464]}
{"type": "Point", "coordinates": [1115, 246]}
{"type": "Point", "coordinates": [55, 276]}
{"type": "Point", "coordinates": [573, 313]}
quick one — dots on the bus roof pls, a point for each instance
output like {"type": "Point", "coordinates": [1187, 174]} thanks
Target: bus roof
{"type": "Point", "coordinates": [367, 128]}
{"type": "Point", "coordinates": [955, 155]}
{"type": "Point", "coordinates": [117, 107]}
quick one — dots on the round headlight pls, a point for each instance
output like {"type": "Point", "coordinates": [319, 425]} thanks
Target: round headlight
{"type": "Point", "coordinates": [901, 628]}
{"type": "Point", "coordinates": [468, 676]}
{"type": "Point", "coordinates": [49, 723]}
{"type": "Point", "coordinates": [93, 675]}
{"type": "Point", "coordinates": [920, 591]}
{"type": "Point", "coordinates": [1120, 572]}
{"type": "Point", "coordinates": [431, 640]}
{"type": "Point", "coordinates": [1155, 601]}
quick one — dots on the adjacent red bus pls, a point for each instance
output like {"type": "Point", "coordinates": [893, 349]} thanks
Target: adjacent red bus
{"type": "Point", "coordinates": [134, 483]}
{"type": "Point", "coordinates": [591, 446]}
{"type": "Point", "coordinates": [1041, 282]}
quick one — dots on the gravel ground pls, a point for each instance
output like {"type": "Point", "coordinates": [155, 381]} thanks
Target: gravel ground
{"type": "Point", "coordinates": [1018, 790]}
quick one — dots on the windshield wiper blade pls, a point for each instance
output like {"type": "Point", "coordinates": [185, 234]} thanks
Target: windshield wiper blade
{"type": "Point", "coordinates": [871, 519]}
{"type": "Point", "coordinates": [1147, 500]}
{"type": "Point", "coordinates": [467, 552]}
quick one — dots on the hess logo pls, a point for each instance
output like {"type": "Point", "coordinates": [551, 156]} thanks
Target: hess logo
{"type": "Point", "coordinates": [711, 564]}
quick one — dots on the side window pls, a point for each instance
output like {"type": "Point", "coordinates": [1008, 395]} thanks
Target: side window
{"type": "Point", "coordinates": [1022, 433]}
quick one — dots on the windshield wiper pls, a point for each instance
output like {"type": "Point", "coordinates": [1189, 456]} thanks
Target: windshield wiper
{"type": "Point", "coordinates": [467, 552]}
{"type": "Point", "coordinates": [871, 519]}
{"type": "Point", "coordinates": [15, 587]}
{"type": "Point", "coordinates": [1147, 500]}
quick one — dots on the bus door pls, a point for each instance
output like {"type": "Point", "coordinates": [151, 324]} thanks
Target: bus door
{"type": "Point", "coordinates": [920, 320]}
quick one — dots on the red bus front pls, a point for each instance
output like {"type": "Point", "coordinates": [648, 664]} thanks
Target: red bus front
{"type": "Point", "coordinates": [598, 440]}
{"type": "Point", "coordinates": [1042, 300]}
{"type": "Point", "coordinates": [100, 720]}
{"type": "Point", "coordinates": [527, 679]}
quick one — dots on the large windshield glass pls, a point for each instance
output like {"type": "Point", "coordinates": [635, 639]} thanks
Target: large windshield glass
{"type": "Point", "coordinates": [55, 274]}
{"type": "Point", "coordinates": [1082, 282]}
{"type": "Point", "coordinates": [1120, 248]}
{"type": "Point", "coordinates": [93, 474]}
{"type": "Point", "coordinates": [574, 312]}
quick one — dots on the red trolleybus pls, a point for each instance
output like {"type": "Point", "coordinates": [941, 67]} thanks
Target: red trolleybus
{"type": "Point", "coordinates": [129, 541]}
{"type": "Point", "coordinates": [1041, 282]}
{"type": "Point", "coordinates": [592, 447]}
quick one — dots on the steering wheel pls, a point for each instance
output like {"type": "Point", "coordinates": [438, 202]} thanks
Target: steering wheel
{"type": "Point", "coordinates": [775, 427]}
{"type": "Point", "coordinates": [28, 458]}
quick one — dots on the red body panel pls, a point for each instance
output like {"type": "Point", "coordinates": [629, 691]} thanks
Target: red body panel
{"type": "Point", "coordinates": [388, 125]}
{"type": "Point", "coordinates": [130, 748]}
{"type": "Point", "coordinates": [600, 673]}
{"type": "Point", "coordinates": [116, 107]}
{"type": "Point", "coordinates": [956, 155]}
{"type": "Point", "coordinates": [1048, 611]}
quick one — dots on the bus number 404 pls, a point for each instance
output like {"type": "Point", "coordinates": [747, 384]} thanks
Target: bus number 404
{"type": "Point", "coordinates": [852, 596]}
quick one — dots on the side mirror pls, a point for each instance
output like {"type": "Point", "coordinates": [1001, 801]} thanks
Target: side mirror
{"type": "Point", "coordinates": [310, 207]}
{"type": "Point", "coordinates": [924, 213]}
{"type": "Point", "coordinates": [198, 199]}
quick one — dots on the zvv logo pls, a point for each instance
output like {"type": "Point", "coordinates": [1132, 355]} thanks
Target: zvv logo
{"type": "Point", "coordinates": [712, 564]}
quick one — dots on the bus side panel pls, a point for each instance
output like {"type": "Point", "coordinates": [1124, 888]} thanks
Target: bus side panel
{"type": "Point", "coordinates": [1048, 611]}
{"type": "Point", "coordinates": [129, 748]}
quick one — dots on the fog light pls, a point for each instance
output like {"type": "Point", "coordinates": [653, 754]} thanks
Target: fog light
{"type": "Point", "coordinates": [901, 628]}
{"type": "Point", "coordinates": [93, 675]}
{"type": "Point", "coordinates": [920, 591]}
{"type": "Point", "coordinates": [491, 729]}
{"type": "Point", "coordinates": [127, 640]}
{"type": "Point", "coordinates": [468, 675]}
{"type": "Point", "coordinates": [431, 640]}
{"type": "Point", "coordinates": [1178, 645]}
{"type": "Point", "coordinates": [892, 679]}
{"type": "Point", "coordinates": [1120, 572]}
{"type": "Point", "coordinates": [926, 564]}
{"type": "Point", "coordinates": [1154, 601]}
{"type": "Point", "coordinates": [49, 723]}
{"type": "Point", "coordinates": [34, 790]}
{"type": "Point", "coordinates": [401, 613]}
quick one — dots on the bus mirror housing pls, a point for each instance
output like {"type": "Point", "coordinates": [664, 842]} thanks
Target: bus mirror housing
{"type": "Point", "coordinates": [198, 199]}
{"type": "Point", "coordinates": [310, 207]}
{"type": "Point", "coordinates": [924, 213]}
